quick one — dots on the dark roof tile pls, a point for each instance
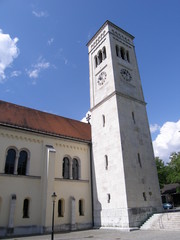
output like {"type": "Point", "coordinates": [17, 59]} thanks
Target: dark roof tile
{"type": "Point", "coordinates": [33, 120]}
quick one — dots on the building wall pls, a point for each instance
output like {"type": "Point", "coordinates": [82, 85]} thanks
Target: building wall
{"type": "Point", "coordinates": [44, 177]}
{"type": "Point", "coordinates": [128, 191]}
{"type": "Point", "coordinates": [108, 179]}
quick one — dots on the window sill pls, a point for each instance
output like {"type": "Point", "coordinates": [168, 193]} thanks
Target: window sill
{"type": "Point", "coordinates": [19, 176]}
{"type": "Point", "coordinates": [70, 180]}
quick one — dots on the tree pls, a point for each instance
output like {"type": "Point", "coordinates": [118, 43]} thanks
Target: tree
{"type": "Point", "coordinates": [162, 171]}
{"type": "Point", "coordinates": [173, 168]}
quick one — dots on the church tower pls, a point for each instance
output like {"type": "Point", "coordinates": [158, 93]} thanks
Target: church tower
{"type": "Point", "coordinates": [125, 182]}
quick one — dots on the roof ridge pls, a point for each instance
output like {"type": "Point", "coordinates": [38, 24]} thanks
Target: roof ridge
{"type": "Point", "coordinates": [40, 111]}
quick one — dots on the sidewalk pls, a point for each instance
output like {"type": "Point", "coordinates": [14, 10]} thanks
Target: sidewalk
{"type": "Point", "coordinates": [108, 235]}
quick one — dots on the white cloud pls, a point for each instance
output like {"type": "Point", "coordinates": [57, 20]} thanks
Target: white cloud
{"type": "Point", "coordinates": [154, 128]}
{"type": "Point", "coordinates": [15, 73]}
{"type": "Point", "coordinates": [8, 52]}
{"type": "Point", "coordinates": [50, 41]}
{"type": "Point", "coordinates": [167, 141]}
{"type": "Point", "coordinates": [37, 68]}
{"type": "Point", "coordinates": [85, 119]}
{"type": "Point", "coordinates": [40, 14]}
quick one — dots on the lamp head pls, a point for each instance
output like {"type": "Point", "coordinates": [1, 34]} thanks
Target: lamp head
{"type": "Point", "coordinates": [54, 196]}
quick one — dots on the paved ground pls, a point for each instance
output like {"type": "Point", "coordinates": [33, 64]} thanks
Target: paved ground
{"type": "Point", "coordinates": [109, 235]}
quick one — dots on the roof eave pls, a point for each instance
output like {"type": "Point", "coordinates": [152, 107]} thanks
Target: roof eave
{"type": "Point", "coordinates": [45, 133]}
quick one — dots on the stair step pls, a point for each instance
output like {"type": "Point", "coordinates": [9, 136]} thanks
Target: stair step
{"type": "Point", "coordinates": [160, 221]}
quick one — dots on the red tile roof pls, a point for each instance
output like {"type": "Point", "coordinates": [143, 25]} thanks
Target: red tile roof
{"type": "Point", "coordinates": [33, 120]}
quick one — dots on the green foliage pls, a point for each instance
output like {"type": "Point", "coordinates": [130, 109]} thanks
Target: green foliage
{"type": "Point", "coordinates": [169, 173]}
{"type": "Point", "coordinates": [174, 168]}
{"type": "Point", "coordinates": [162, 171]}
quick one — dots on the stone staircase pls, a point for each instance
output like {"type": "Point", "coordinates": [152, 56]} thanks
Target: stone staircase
{"type": "Point", "coordinates": [163, 221]}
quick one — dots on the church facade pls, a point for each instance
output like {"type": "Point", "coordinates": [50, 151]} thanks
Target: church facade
{"type": "Point", "coordinates": [103, 173]}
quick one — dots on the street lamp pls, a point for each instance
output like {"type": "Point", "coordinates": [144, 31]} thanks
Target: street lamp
{"type": "Point", "coordinates": [53, 200]}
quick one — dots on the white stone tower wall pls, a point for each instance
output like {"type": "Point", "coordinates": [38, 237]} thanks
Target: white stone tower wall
{"type": "Point", "coordinates": [140, 174]}
{"type": "Point", "coordinates": [127, 191]}
{"type": "Point", "coordinates": [108, 179]}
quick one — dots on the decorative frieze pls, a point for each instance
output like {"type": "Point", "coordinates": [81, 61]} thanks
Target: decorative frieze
{"type": "Point", "coordinates": [20, 137]}
{"type": "Point", "coordinates": [121, 36]}
{"type": "Point", "coordinates": [72, 147]}
{"type": "Point", "coordinates": [98, 39]}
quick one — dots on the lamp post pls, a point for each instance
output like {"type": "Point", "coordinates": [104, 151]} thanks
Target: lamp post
{"type": "Point", "coordinates": [53, 200]}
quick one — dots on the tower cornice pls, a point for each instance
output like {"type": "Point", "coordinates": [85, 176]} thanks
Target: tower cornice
{"type": "Point", "coordinates": [117, 94]}
{"type": "Point", "coordinates": [103, 26]}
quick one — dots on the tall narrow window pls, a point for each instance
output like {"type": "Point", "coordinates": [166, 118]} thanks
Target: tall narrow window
{"type": "Point", "coordinates": [144, 196]}
{"type": "Point", "coordinates": [106, 162]}
{"type": "Point", "coordinates": [100, 57]}
{"type": "Point", "coordinates": [133, 117]}
{"type": "Point", "coordinates": [75, 169]}
{"type": "Point", "coordinates": [61, 208]}
{"type": "Point", "coordinates": [122, 53]}
{"type": "Point", "coordinates": [81, 207]}
{"type": "Point", "coordinates": [108, 197]}
{"type": "Point", "coordinates": [104, 52]}
{"type": "Point", "coordinates": [95, 61]}
{"type": "Point", "coordinates": [26, 208]}
{"type": "Point", "coordinates": [104, 120]}
{"type": "Point", "coordinates": [117, 50]}
{"type": "Point", "coordinates": [139, 160]}
{"type": "Point", "coordinates": [65, 168]}
{"type": "Point", "coordinates": [127, 56]}
{"type": "Point", "coordinates": [22, 163]}
{"type": "Point", "coordinates": [10, 161]}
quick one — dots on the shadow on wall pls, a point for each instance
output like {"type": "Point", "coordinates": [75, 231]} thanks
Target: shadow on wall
{"type": "Point", "coordinates": [97, 208]}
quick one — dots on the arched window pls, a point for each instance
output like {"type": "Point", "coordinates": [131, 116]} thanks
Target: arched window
{"type": "Point", "coordinates": [10, 161]}
{"type": "Point", "coordinates": [104, 52]}
{"type": "Point", "coordinates": [95, 61]}
{"type": "Point", "coordinates": [117, 51]}
{"type": "Point", "coordinates": [66, 168]}
{"type": "Point", "coordinates": [75, 169]}
{"type": "Point", "coordinates": [100, 57]}
{"type": "Point", "coordinates": [122, 53]}
{"type": "Point", "coordinates": [22, 163]}
{"type": "Point", "coordinates": [61, 208]}
{"type": "Point", "coordinates": [81, 207]}
{"type": "Point", "coordinates": [26, 208]}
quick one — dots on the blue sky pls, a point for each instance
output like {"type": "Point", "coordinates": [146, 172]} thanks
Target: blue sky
{"type": "Point", "coordinates": [44, 58]}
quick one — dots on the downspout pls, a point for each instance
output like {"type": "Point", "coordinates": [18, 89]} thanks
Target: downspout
{"type": "Point", "coordinates": [91, 172]}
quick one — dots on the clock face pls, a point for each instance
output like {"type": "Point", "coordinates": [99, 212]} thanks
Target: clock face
{"type": "Point", "coordinates": [126, 75]}
{"type": "Point", "coordinates": [102, 78]}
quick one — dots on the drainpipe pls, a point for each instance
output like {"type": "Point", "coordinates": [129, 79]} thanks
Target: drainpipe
{"type": "Point", "coordinates": [91, 172]}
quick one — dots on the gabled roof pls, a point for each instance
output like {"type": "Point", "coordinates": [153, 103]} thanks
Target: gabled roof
{"type": "Point", "coordinates": [28, 119]}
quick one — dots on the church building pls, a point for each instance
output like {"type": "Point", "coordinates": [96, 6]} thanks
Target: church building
{"type": "Point", "coordinates": [103, 174]}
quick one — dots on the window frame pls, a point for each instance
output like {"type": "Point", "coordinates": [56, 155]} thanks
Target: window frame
{"type": "Point", "coordinates": [8, 163]}
{"type": "Point", "coordinates": [75, 169]}
{"type": "Point", "coordinates": [61, 207]}
{"type": "Point", "coordinates": [66, 168]}
{"type": "Point", "coordinates": [26, 204]}
{"type": "Point", "coordinates": [81, 205]}
{"type": "Point", "coordinates": [22, 167]}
